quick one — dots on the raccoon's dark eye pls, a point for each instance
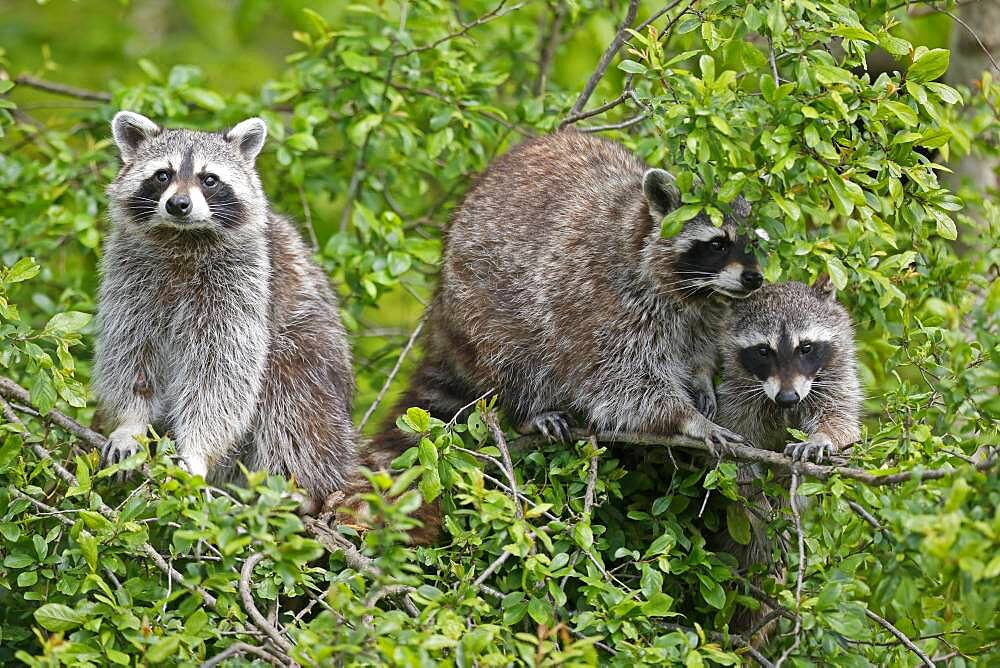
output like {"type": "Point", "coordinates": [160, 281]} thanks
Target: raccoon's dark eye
{"type": "Point", "coordinates": [719, 245]}
{"type": "Point", "coordinates": [210, 180]}
{"type": "Point", "coordinates": [805, 348]}
{"type": "Point", "coordinates": [162, 175]}
{"type": "Point", "coordinates": [763, 351]}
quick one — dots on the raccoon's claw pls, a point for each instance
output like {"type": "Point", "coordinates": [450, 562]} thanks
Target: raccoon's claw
{"type": "Point", "coordinates": [554, 426]}
{"type": "Point", "coordinates": [816, 449]}
{"type": "Point", "coordinates": [720, 441]}
{"type": "Point", "coordinates": [118, 448]}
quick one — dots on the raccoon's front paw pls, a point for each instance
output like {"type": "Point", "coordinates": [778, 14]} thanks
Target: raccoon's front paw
{"type": "Point", "coordinates": [553, 425]}
{"type": "Point", "coordinates": [720, 441]}
{"type": "Point", "coordinates": [815, 449]}
{"type": "Point", "coordinates": [120, 446]}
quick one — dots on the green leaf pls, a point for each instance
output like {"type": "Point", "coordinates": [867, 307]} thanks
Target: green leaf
{"type": "Point", "coordinates": [837, 271]}
{"type": "Point", "coordinates": [68, 322]}
{"type": "Point", "coordinates": [88, 548]}
{"type": "Point", "coordinates": [23, 269]}
{"type": "Point", "coordinates": [674, 221]}
{"type": "Point", "coordinates": [541, 611]}
{"type": "Point", "coordinates": [929, 65]}
{"type": "Point", "coordinates": [163, 649]}
{"type": "Point", "coordinates": [632, 67]}
{"type": "Point", "coordinates": [417, 419]}
{"type": "Point", "coordinates": [206, 99]}
{"type": "Point", "coordinates": [907, 116]}
{"type": "Point", "coordinates": [302, 141]}
{"type": "Point", "coordinates": [738, 524]}
{"type": "Point", "coordinates": [712, 592]}
{"type": "Point", "coordinates": [659, 605]}
{"type": "Point", "coordinates": [358, 63]}
{"type": "Point", "coordinates": [58, 617]}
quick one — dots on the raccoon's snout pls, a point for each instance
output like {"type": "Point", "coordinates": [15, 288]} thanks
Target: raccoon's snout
{"type": "Point", "coordinates": [751, 279]}
{"type": "Point", "coordinates": [786, 398]}
{"type": "Point", "coordinates": [179, 206]}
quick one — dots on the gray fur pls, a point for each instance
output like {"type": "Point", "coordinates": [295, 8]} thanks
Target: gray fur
{"type": "Point", "coordinates": [219, 329]}
{"type": "Point", "coordinates": [558, 291]}
{"type": "Point", "coordinates": [830, 413]}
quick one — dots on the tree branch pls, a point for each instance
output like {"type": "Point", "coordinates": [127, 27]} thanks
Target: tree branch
{"type": "Point", "coordinates": [772, 460]}
{"type": "Point", "coordinates": [606, 58]}
{"type": "Point", "coordinates": [62, 89]}
{"type": "Point", "coordinates": [255, 616]}
{"type": "Point", "coordinates": [912, 646]}
{"type": "Point", "coordinates": [391, 376]}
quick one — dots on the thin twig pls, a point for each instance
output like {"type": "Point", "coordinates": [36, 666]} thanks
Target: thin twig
{"type": "Point", "coordinates": [606, 58]}
{"type": "Point", "coordinates": [549, 43]}
{"type": "Point", "coordinates": [62, 89]}
{"type": "Point", "coordinates": [491, 569]}
{"type": "Point", "coordinates": [617, 126]}
{"type": "Point", "coordinates": [14, 392]}
{"type": "Point", "coordinates": [793, 492]}
{"type": "Point", "coordinates": [912, 646]}
{"type": "Point", "coordinates": [238, 648]}
{"type": "Point", "coordinates": [495, 13]}
{"type": "Point", "coordinates": [391, 376]}
{"type": "Point", "coordinates": [975, 36]}
{"type": "Point", "coordinates": [490, 418]}
{"type": "Point", "coordinates": [255, 616]}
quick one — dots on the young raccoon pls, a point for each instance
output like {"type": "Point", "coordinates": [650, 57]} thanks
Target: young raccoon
{"type": "Point", "coordinates": [559, 293]}
{"type": "Point", "coordinates": [214, 324]}
{"type": "Point", "coordinates": [788, 360]}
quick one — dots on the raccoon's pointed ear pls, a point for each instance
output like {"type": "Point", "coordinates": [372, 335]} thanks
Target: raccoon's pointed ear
{"type": "Point", "coordinates": [824, 287]}
{"type": "Point", "coordinates": [661, 192]}
{"type": "Point", "coordinates": [249, 136]}
{"type": "Point", "coordinates": [130, 130]}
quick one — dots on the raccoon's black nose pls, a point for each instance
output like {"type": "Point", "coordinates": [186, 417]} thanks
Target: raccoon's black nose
{"type": "Point", "coordinates": [751, 279]}
{"type": "Point", "coordinates": [179, 205]}
{"type": "Point", "coordinates": [787, 398]}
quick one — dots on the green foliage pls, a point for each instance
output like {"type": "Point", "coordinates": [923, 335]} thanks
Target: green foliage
{"type": "Point", "coordinates": [377, 123]}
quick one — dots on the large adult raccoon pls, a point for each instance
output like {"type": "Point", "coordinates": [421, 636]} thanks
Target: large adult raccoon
{"type": "Point", "coordinates": [788, 360]}
{"type": "Point", "coordinates": [215, 325]}
{"type": "Point", "coordinates": [558, 292]}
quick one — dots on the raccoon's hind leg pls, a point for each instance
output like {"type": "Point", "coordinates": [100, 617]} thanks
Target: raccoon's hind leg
{"type": "Point", "coordinates": [718, 439]}
{"type": "Point", "coordinates": [553, 425]}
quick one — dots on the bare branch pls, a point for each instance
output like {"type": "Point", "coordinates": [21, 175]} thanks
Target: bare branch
{"type": "Point", "coordinates": [588, 497]}
{"type": "Point", "coordinates": [773, 460]}
{"type": "Point", "coordinates": [912, 646]}
{"type": "Point", "coordinates": [491, 569]}
{"type": "Point", "coordinates": [495, 13]}
{"type": "Point", "coordinates": [609, 54]}
{"type": "Point", "coordinates": [15, 392]}
{"type": "Point", "coordinates": [549, 40]}
{"type": "Point", "coordinates": [793, 493]}
{"type": "Point", "coordinates": [490, 418]}
{"type": "Point", "coordinates": [258, 619]}
{"type": "Point", "coordinates": [238, 648]}
{"type": "Point", "coordinates": [391, 376]}
{"type": "Point", "coordinates": [972, 32]}
{"type": "Point", "coordinates": [617, 126]}
{"type": "Point", "coordinates": [62, 89]}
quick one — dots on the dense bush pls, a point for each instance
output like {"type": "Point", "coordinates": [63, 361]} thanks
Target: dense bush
{"type": "Point", "coordinates": [575, 555]}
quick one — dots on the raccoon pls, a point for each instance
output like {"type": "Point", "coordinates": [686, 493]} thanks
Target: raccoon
{"type": "Point", "coordinates": [788, 360]}
{"type": "Point", "coordinates": [214, 324]}
{"type": "Point", "coordinates": [559, 294]}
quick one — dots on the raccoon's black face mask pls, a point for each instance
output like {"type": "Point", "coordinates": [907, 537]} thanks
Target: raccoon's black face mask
{"type": "Point", "coordinates": [702, 259]}
{"type": "Point", "coordinates": [184, 179]}
{"type": "Point", "coordinates": [787, 371]}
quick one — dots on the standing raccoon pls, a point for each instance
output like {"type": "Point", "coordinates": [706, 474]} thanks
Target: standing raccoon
{"type": "Point", "coordinates": [788, 361]}
{"type": "Point", "coordinates": [559, 293]}
{"type": "Point", "coordinates": [214, 324]}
